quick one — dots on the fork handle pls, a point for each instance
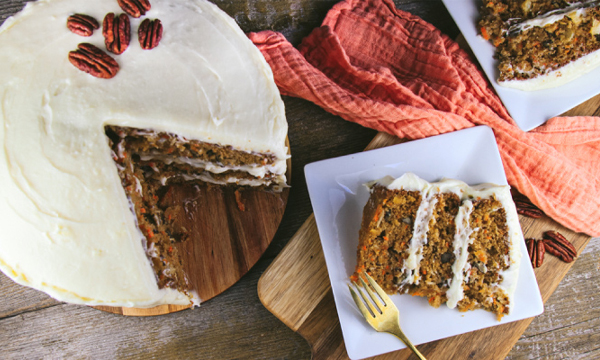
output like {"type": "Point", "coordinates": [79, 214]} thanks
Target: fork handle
{"type": "Point", "coordinates": [400, 335]}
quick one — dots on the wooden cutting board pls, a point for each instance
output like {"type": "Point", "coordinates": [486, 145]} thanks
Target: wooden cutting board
{"type": "Point", "coordinates": [225, 240]}
{"type": "Point", "coordinates": [296, 289]}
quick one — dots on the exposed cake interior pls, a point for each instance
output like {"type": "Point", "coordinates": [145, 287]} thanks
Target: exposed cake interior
{"type": "Point", "coordinates": [385, 234]}
{"type": "Point", "coordinates": [185, 159]}
{"type": "Point", "coordinates": [437, 253]}
{"type": "Point", "coordinates": [488, 258]}
{"type": "Point", "coordinates": [446, 241]}
{"type": "Point", "coordinates": [542, 44]}
{"type": "Point", "coordinates": [149, 162]}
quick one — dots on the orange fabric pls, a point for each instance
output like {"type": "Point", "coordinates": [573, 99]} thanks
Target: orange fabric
{"type": "Point", "coordinates": [391, 71]}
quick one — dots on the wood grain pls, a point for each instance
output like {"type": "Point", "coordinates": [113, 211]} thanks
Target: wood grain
{"type": "Point", "coordinates": [311, 314]}
{"type": "Point", "coordinates": [572, 318]}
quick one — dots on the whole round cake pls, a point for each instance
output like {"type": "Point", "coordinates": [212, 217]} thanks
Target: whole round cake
{"type": "Point", "coordinates": [92, 126]}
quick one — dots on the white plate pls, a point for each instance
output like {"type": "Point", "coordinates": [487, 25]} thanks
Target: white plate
{"type": "Point", "coordinates": [338, 197]}
{"type": "Point", "coordinates": [528, 108]}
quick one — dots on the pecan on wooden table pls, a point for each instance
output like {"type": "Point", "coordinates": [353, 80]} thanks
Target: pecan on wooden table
{"type": "Point", "coordinates": [536, 252]}
{"type": "Point", "coordinates": [557, 245]}
{"type": "Point", "coordinates": [525, 207]}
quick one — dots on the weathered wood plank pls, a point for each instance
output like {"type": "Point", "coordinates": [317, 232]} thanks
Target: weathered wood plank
{"type": "Point", "coordinates": [233, 325]}
{"type": "Point", "coordinates": [570, 325]}
{"type": "Point", "coordinates": [9, 7]}
{"type": "Point", "coordinates": [16, 299]}
{"type": "Point", "coordinates": [296, 19]}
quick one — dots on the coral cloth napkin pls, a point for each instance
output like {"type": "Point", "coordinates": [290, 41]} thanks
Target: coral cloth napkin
{"type": "Point", "coordinates": [391, 71]}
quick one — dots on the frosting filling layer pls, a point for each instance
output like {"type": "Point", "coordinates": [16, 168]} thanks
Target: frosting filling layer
{"type": "Point", "coordinates": [198, 160]}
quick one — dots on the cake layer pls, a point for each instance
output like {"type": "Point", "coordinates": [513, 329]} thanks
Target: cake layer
{"type": "Point", "coordinates": [460, 245]}
{"type": "Point", "coordinates": [68, 228]}
{"type": "Point", "coordinates": [498, 15]}
{"type": "Point", "coordinates": [385, 234]}
{"type": "Point", "coordinates": [193, 159]}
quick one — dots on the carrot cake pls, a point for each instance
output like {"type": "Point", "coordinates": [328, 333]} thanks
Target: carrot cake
{"type": "Point", "coordinates": [446, 241]}
{"type": "Point", "coordinates": [92, 126]}
{"type": "Point", "coordinates": [542, 44]}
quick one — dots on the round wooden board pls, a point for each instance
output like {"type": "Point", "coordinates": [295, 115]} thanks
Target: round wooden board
{"type": "Point", "coordinates": [225, 242]}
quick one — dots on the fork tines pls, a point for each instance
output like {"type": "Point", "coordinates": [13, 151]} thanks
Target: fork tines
{"type": "Point", "coordinates": [375, 305]}
{"type": "Point", "coordinates": [381, 315]}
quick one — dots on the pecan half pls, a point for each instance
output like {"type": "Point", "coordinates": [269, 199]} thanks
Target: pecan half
{"type": "Point", "coordinates": [557, 245]}
{"type": "Point", "coordinates": [149, 33]}
{"type": "Point", "coordinates": [92, 60]}
{"type": "Point", "coordinates": [526, 207]}
{"type": "Point", "coordinates": [540, 251]}
{"type": "Point", "coordinates": [532, 213]}
{"type": "Point", "coordinates": [135, 8]}
{"type": "Point", "coordinates": [535, 251]}
{"type": "Point", "coordinates": [81, 24]}
{"type": "Point", "coordinates": [117, 32]}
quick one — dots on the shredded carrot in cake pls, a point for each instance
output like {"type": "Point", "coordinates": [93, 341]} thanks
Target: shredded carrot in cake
{"type": "Point", "coordinates": [238, 200]}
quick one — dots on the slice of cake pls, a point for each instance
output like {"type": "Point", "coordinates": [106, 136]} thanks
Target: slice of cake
{"type": "Point", "coordinates": [94, 131]}
{"type": "Point", "coordinates": [542, 44]}
{"type": "Point", "coordinates": [446, 241]}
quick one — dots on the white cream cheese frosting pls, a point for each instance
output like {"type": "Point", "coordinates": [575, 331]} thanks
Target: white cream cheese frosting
{"type": "Point", "coordinates": [462, 238]}
{"type": "Point", "coordinates": [461, 266]}
{"type": "Point", "coordinates": [68, 229]}
{"type": "Point", "coordinates": [424, 217]}
{"type": "Point", "coordinates": [558, 77]}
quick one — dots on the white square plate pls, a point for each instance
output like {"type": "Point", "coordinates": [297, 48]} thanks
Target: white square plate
{"type": "Point", "coordinates": [528, 108]}
{"type": "Point", "coordinates": [338, 196]}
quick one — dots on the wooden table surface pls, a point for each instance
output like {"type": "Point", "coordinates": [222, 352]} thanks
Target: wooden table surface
{"type": "Point", "coordinates": [235, 325]}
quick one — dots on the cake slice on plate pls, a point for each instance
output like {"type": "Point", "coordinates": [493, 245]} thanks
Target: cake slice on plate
{"type": "Point", "coordinates": [542, 44]}
{"type": "Point", "coordinates": [446, 241]}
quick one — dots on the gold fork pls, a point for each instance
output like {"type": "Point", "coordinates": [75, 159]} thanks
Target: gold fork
{"type": "Point", "coordinates": [382, 317]}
